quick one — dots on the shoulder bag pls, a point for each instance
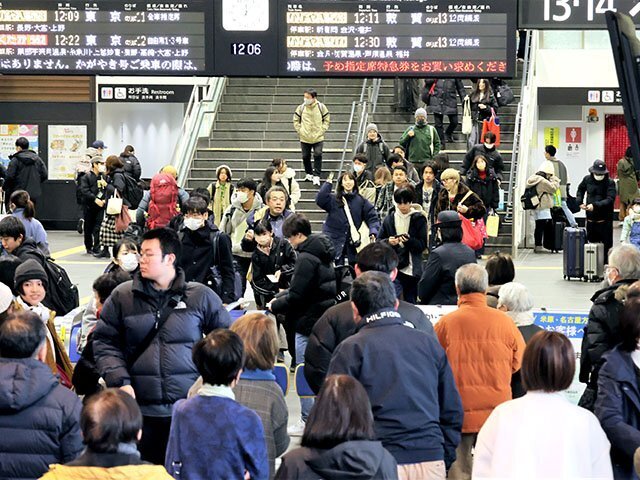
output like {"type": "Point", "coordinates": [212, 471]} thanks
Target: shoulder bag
{"type": "Point", "coordinates": [114, 204]}
{"type": "Point", "coordinates": [359, 237]}
{"type": "Point", "coordinates": [467, 121]}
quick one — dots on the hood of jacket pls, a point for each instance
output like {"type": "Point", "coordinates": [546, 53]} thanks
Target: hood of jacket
{"type": "Point", "coordinates": [375, 141]}
{"type": "Point", "coordinates": [23, 382]}
{"type": "Point", "coordinates": [289, 173]}
{"type": "Point", "coordinates": [349, 461]}
{"type": "Point", "coordinates": [320, 246]}
{"type": "Point", "coordinates": [617, 291]}
{"type": "Point", "coordinates": [28, 157]}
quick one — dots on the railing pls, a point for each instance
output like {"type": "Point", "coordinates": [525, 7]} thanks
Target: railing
{"type": "Point", "coordinates": [198, 120]}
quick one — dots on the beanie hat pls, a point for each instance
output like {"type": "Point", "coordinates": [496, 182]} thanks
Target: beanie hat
{"type": "Point", "coordinates": [421, 112]}
{"type": "Point", "coordinates": [372, 126]}
{"type": "Point", "coordinates": [6, 298]}
{"type": "Point", "coordinates": [547, 167]}
{"type": "Point", "coordinates": [30, 270]}
{"type": "Point", "coordinates": [228, 170]}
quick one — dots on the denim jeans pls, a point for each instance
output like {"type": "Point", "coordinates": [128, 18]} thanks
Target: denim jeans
{"type": "Point", "coordinates": [568, 213]}
{"type": "Point", "coordinates": [301, 346]}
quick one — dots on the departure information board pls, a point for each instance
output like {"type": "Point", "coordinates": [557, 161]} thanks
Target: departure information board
{"type": "Point", "coordinates": [391, 38]}
{"type": "Point", "coordinates": [573, 14]}
{"type": "Point", "coordinates": [105, 37]}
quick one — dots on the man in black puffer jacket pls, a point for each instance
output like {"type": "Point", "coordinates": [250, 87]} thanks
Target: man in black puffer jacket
{"type": "Point", "coordinates": [26, 171]}
{"type": "Point", "coordinates": [146, 330]}
{"type": "Point", "coordinates": [313, 286]}
{"type": "Point", "coordinates": [337, 323]}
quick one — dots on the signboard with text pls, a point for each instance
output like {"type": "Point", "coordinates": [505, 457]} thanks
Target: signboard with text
{"type": "Point", "coordinates": [8, 136]}
{"type": "Point", "coordinates": [579, 96]}
{"type": "Point", "coordinates": [145, 93]}
{"type": "Point", "coordinates": [573, 14]}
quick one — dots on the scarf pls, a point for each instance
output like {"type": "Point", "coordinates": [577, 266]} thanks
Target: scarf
{"type": "Point", "coordinates": [223, 391]}
{"type": "Point", "coordinates": [221, 200]}
{"type": "Point", "coordinates": [482, 175]}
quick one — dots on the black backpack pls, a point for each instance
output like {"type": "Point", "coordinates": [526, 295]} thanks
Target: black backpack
{"type": "Point", "coordinates": [530, 199]}
{"type": "Point", "coordinates": [62, 295]}
{"type": "Point", "coordinates": [133, 192]}
{"type": "Point", "coordinates": [345, 274]}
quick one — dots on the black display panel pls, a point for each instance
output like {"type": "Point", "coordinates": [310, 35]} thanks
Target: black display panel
{"type": "Point", "coordinates": [106, 37]}
{"type": "Point", "coordinates": [573, 14]}
{"type": "Point", "coordinates": [397, 38]}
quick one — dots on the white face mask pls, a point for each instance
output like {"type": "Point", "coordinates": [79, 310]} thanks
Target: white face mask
{"type": "Point", "coordinates": [193, 223]}
{"type": "Point", "coordinates": [102, 168]}
{"type": "Point", "coordinates": [599, 178]}
{"type": "Point", "coordinates": [636, 208]}
{"type": "Point", "coordinates": [129, 262]}
{"type": "Point", "coordinates": [358, 168]}
{"type": "Point", "coordinates": [489, 145]}
{"type": "Point", "coordinates": [242, 196]}
{"type": "Point", "coordinates": [308, 101]}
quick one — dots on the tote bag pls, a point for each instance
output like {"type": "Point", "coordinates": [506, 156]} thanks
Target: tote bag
{"type": "Point", "coordinates": [493, 224]}
{"type": "Point", "coordinates": [472, 235]}
{"type": "Point", "coordinates": [114, 204]}
{"type": "Point", "coordinates": [492, 125]}
{"type": "Point", "coordinates": [467, 121]}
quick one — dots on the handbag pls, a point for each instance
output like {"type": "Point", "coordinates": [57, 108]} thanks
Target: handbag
{"type": "Point", "coordinates": [467, 121]}
{"type": "Point", "coordinates": [114, 204]}
{"type": "Point", "coordinates": [359, 237]}
{"type": "Point", "coordinates": [472, 233]}
{"type": "Point", "coordinates": [504, 95]}
{"type": "Point", "coordinates": [492, 125]}
{"type": "Point", "coordinates": [123, 219]}
{"type": "Point", "coordinates": [493, 225]}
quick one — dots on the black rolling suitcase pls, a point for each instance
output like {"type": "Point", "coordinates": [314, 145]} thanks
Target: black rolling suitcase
{"type": "Point", "coordinates": [553, 236]}
{"type": "Point", "coordinates": [573, 253]}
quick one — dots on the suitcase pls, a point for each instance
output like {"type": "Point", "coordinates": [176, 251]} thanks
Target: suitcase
{"type": "Point", "coordinates": [573, 254]}
{"type": "Point", "coordinates": [594, 262]}
{"type": "Point", "coordinates": [552, 239]}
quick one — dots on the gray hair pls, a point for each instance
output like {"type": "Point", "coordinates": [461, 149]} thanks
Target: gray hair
{"type": "Point", "coordinates": [626, 259]}
{"type": "Point", "coordinates": [515, 296]}
{"type": "Point", "coordinates": [472, 278]}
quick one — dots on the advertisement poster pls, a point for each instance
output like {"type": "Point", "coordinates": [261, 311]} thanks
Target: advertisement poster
{"type": "Point", "coordinates": [66, 148]}
{"type": "Point", "coordinates": [552, 136]}
{"type": "Point", "coordinates": [8, 136]}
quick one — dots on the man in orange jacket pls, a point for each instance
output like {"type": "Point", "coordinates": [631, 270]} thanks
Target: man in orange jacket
{"type": "Point", "coordinates": [484, 348]}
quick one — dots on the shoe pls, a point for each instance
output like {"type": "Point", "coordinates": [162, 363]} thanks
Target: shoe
{"type": "Point", "coordinates": [292, 368]}
{"type": "Point", "coordinates": [102, 254]}
{"type": "Point", "coordinates": [449, 139]}
{"type": "Point", "coordinates": [296, 430]}
{"type": "Point", "coordinates": [308, 178]}
{"type": "Point", "coordinates": [80, 226]}
{"type": "Point", "coordinates": [316, 180]}
{"type": "Point", "coordinates": [538, 249]}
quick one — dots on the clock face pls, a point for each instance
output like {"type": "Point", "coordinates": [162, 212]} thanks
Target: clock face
{"type": "Point", "coordinates": [245, 15]}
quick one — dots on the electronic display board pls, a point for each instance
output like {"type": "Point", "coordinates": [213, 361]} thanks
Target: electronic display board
{"type": "Point", "coordinates": [398, 38]}
{"type": "Point", "coordinates": [106, 37]}
{"type": "Point", "coordinates": [573, 14]}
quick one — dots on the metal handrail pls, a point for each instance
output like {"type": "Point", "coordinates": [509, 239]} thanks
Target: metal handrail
{"type": "Point", "coordinates": [347, 137]}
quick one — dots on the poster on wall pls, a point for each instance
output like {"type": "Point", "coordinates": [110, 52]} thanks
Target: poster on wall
{"type": "Point", "coordinates": [66, 149]}
{"type": "Point", "coordinates": [573, 141]}
{"type": "Point", "coordinates": [552, 136]}
{"type": "Point", "coordinates": [9, 133]}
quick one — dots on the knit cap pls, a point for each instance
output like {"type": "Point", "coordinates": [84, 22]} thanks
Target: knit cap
{"type": "Point", "coordinates": [6, 298]}
{"type": "Point", "coordinates": [421, 112]}
{"type": "Point", "coordinates": [372, 126]}
{"type": "Point", "coordinates": [30, 270]}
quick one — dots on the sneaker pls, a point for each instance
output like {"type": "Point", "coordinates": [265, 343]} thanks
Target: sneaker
{"type": "Point", "coordinates": [308, 178]}
{"type": "Point", "coordinates": [297, 429]}
{"type": "Point", "coordinates": [80, 226]}
{"type": "Point", "coordinates": [538, 249]}
{"type": "Point", "coordinates": [316, 180]}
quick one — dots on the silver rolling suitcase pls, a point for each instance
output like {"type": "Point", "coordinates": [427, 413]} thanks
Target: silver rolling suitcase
{"type": "Point", "coordinates": [594, 262]}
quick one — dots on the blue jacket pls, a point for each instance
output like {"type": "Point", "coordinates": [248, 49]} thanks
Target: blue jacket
{"type": "Point", "coordinates": [33, 229]}
{"type": "Point", "coordinates": [618, 409]}
{"type": "Point", "coordinates": [415, 402]}
{"type": "Point", "coordinates": [39, 424]}
{"type": "Point", "coordinates": [216, 437]}
{"type": "Point", "coordinates": [336, 226]}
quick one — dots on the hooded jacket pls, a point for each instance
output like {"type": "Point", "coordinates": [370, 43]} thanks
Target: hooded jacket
{"type": "Point", "coordinates": [423, 146]}
{"type": "Point", "coordinates": [313, 285]}
{"type": "Point", "coordinates": [355, 460]}
{"type": "Point", "coordinates": [292, 187]}
{"type": "Point", "coordinates": [131, 165]}
{"type": "Point", "coordinates": [409, 252]}
{"type": "Point", "coordinates": [545, 188]}
{"type": "Point", "coordinates": [493, 156]}
{"type": "Point", "coordinates": [164, 371]}
{"type": "Point", "coordinates": [26, 171]}
{"type": "Point", "coordinates": [443, 100]}
{"type": "Point", "coordinates": [601, 195]}
{"type": "Point", "coordinates": [234, 223]}
{"type": "Point", "coordinates": [377, 152]}
{"type": "Point", "coordinates": [311, 122]}
{"type": "Point", "coordinates": [39, 424]}
{"type": "Point", "coordinates": [627, 180]}
{"type": "Point", "coordinates": [28, 249]}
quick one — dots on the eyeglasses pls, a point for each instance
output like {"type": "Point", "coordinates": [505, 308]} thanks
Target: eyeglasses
{"type": "Point", "coordinates": [143, 255]}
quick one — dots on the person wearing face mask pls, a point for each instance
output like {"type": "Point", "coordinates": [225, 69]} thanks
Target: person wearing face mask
{"type": "Point", "coordinates": [489, 151]}
{"type": "Point", "coordinates": [275, 212]}
{"type": "Point", "coordinates": [311, 121]}
{"type": "Point", "coordinates": [364, 177]}
{"type": "Point", "coordinates": [546, 184]}
{"type": "Point", "coordinates": [600, 193]}
{"type": "Point", "coordinates": [92, 191]}
{"type": "Point", "coordinates": [631, 225]}
{"type": "Point", "coordinates": [271, 178]}
{"type": "Point", "coordinates": [205, 247]}
{"type": "Point", "coordinates": [374, 148]}
{"type": "Point", "coordinates": [421, 140]}
{"type": "Point", "coordinates": [483, 181]}
{"type": "Point", "coordinates": [337, 225]}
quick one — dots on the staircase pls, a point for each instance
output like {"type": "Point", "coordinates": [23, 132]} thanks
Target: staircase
{"type": "Point", "coordinates": [254, 125]}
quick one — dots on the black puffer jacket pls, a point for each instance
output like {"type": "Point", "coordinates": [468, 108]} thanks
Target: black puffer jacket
{"type": "Point", "coordinates": [39, 424]}
{"type": "Point", "coordinates": [26, 171]}
{"type": "Point", "coordinates": [313, 285]}
{"type": "Point", "coordinates": [493, 156]}
{"type": "Point", "coordinates": [117, 181]}
{"type": "Point", "coordinates": [337, 324]}
{"type": "Point", "coordinates": [29, 249]}
{"type": "Point", "coordinates": [131, 165]}
{"type": "Point", "coordinates": [164, 372]}
{"type": "Point", "coordinates": [444, 99]}
{"type": "Point", "coordinates": [599, 194]}
{"type": "Point", "coordinates": [487, 189]}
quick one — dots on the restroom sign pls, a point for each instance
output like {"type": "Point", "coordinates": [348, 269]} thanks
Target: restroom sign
{"type": "Point", "coordinates": [573, 135]}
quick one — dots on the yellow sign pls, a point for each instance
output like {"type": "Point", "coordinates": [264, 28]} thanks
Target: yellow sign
{"type": "Point", "coordinates": [552, 136]}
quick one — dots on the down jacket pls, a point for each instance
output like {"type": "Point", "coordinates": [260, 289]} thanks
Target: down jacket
{"type": "Point", "coordinates": [601, 195]}
{"type": "Point", "coordinates": [485, 349]}
{"type": "Point", "coordinates": [337, 324]}
{"type": "Point", "coordinates": [545, 188]}
{"type": "Point", "coordinates": [234, 223]}
{"type": "Point", "coordinates": [26, 171]}
{"type": "Point", "coordinates": [493, 156]}
{"type": "Point", "coordinates": [40, 418]}
{"type": "Point", "coordinates": [163, 373]}
{"type": "Point", "coordinates": [443, 100]}
{"type": "Point", "coordinates": [377, 152]}
{"type": "Point", "coordinates": [487, 189]}
{"type": "Point", "coordinates": [336, 226]}
{"type": "Point", "coordinates": [313, 286]}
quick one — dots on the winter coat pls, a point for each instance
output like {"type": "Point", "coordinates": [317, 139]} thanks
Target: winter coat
{"type": "Point", "coordinates": [560, 171]}
{"type": "Point", "coordinates": [376, 151]}
{"type": "Point", "coordinates": [221, 198]}
{"type": "Point", "coordinates": [493, 156]}
{"type": "Point", "coordinates": [601, 195]}
{"type": "Point", "coordinates": [131, 166]}
{"type": "Point", "coordinates": [336, 325]}
{"type": "Point", "coordinates": [480, 114]}
{"type": "Point", "coordinates": [107, 466]}
{"type": "Point", "coordinates": [431, 213]}
{"type": "Point", "coordinates": [26, 171]}
{"type": "Point", "coordinates": [545, 188]}
{"type": "Point", "coordinates": [311, 122]}
{"type": "Point", "coordinates": [234, 223]}
{"type": "Point", "coordinates": [423, 146]}
{"type": "Point", "coordinates": [437, 285]}
{"type": "Point", "coordinates": [292, 187]}
{"type": "Point", "coordinates": [313, 285]}
{"type": "Point", "coordinates": [29, 249]}
{"type": "Point", "coordinates": [487, 189]}
{"type": "Point", "coordinates": [627, 180]}
{"type": "Point", "coordinates": [476, 210]}
{"type": "Point", "coordinates": [116, 181]}
{"type": "Point", "coordinates": [264, 213]}
{"type": "Point", "coordinates": [163, 373]}
{"type": "Point", "coordinates": [443, 100]}
{"type": "Point", "coordinates": [416, 407]}
{"type": "Point", "coordinates": [409, 252]}
{"type": "Point", "coordinates": [199, 257]}
{"type": "Point", "coordinates": [40, 419]}
{"type": "Point", "coordinates": [336, 226]}
{"type": "Point", "coordinates": [281, 257]}
{"type": "Point", "coordinates": [384, 202]}
{"type": "Point", "coordinates": [485, 348]}
{"type": "Point", "coordinates": [33, 229]}
{"type": "Point", "coordinates": [412, 173]}
{"type": "Point", "coordinates": [354, 460]}
{"type": "Point", "coordinates": [89, 190]}
{"type": "Point", "coordinates": [524, 322]}
{"type": "Point", "coordinates": [143, 206]}
{"type": "Point", "coordinates": [602, 331]}
{"type": "Point", "coordinates": [618, 409]}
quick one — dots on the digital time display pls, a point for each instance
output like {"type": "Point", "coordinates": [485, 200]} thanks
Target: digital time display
{"type": "Point", "coordinates": [573, 14]}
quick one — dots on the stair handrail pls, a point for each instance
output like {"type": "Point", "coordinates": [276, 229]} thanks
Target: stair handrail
{"type": "Point", "coordinates": [203, 103]}
{"type": "Point", "coordinates": [347, 139]}
{"type": "Point", "coordinates": [369, 111]}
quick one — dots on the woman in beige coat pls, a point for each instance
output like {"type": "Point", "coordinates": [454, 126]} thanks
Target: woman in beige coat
{"type": "Point", "coordinates": [546, 185]}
